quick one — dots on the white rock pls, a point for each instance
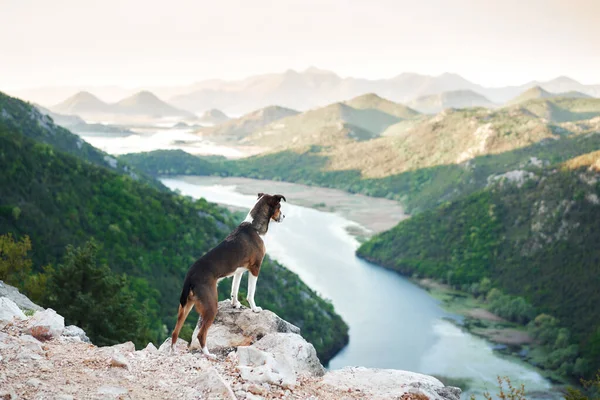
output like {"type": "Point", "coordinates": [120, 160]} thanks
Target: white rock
{"type": "Point", "coordinates": [75, 331]}
{"type": "Point", "coordinates": [211, 382]}
{"type": "Point", "coordinates": [33, 382]}
{"type": "Point", "coordinates": [20, 299]}
{"type": "Point", "coordinates": [112, 391]}
{"type": "Point", "coordinates": [380, 384]}
{"type": "Point", "coordinates": [9, 310]}
{"type": "Point", "coordinates": [30, 343]}
{"type": "Point", "coordinates": [151, 348]}
{"type": "Point", "coordinates": [240, 327]}
{"type": "Point", "coordinates": [180, 346]}
{"type": "Point", "coordinates": [257, 366]}
{"type": "Point", "coordinates": [119, 360]}
{"type": "Point", "coordinates": [46, 325]}
{"type": "Point", "coordinates": [292, 349]}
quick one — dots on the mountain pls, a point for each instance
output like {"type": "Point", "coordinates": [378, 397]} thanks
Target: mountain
{"type": "Point", "coordinates": [213, 116]}
{"type": "Point", "coordinates": [361, 118]}
{"type": "Point", "coordinates": [561, 108]}
{"type": "Point", "coordinates": [371, 101]}
{"type": "Point", "coordinates": [82, 103]}
{"type": "Point", "coordinates": [139, 105]}
{"type": "Point", "coordinates": [239, 128]}
{"type": "Point", "coordinates": [538, 92]}
{"type": "Point", "coordinates": [76, 124]}
{"type": "Point", "coordinates": [60, 199]}
{"type": "Point", "coordinates": [145, 103]}
{"type": "Point", "coordinates": [435, 103]}
{"type": "Point", "coordinates": [532, 234]}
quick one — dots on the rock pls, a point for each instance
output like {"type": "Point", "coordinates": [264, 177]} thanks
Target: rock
{"type": "Point", "coordinates": [33, 382]}
{"type": "Point", "coordinates": [9, 310]}
{"type": "Point", "coordinates": [379, 384]}
{"type": "Point", "coordinates": [46, 325]}
{"type": "Point", "coordinates": [296, 352]}
{"type": "Point", "coordinates": [150, 348]}
{"type": "Point", "coordinates": [211, 383]}
{"type": "Point", "coordinates": [30, 343]}
{"type": "Point", "coordinates": [257, 366]}
{"type": "Point", "coordinates": [112, 391]}
{"type": "Point", "coordinates": [19, 299]}
{"type": "Point", "coordinates": [235, 327]}
{"type": "Point", "coordinates": [119, 360]}
{"type": "Point", "coordinates": [75, 331]}
{"type": "Point", "coordinates": [181, 346]}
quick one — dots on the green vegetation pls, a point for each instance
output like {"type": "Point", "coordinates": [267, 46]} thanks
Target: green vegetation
{"type": "Point", "coordinates": [563, 109]}
{"type": "Point", "coordinates": [153, 236]}
{"type": "Point", "coordinates": [535, 241]}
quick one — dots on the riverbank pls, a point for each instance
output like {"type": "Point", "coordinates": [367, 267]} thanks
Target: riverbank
{"type": "Point", "coordinates": [373, 215]}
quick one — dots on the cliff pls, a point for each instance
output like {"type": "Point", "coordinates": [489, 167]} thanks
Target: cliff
{"type": "Point", "coordinates": [259, 356]}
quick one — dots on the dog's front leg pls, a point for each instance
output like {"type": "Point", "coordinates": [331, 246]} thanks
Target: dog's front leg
{"type": "Point", "coordinates": [251, 290]}
{"type": "Point", "coordinates": [235, 287]}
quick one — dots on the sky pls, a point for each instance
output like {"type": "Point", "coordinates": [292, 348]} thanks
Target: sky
{"type": "Point", "coordinates": [136, 43]}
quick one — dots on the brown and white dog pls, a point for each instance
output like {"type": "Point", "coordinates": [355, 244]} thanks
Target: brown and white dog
{"type": "Point", "coordinates": [243, 250]}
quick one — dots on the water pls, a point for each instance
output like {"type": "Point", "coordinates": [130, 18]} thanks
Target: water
{"type": "Point", "coordinates": [393, 323]}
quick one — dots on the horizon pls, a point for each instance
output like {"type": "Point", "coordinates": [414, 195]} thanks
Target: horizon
{"type": "Point", "coordinates": [500, 43]}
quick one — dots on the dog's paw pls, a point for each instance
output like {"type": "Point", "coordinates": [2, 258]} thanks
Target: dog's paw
{"type": "Point", "coordinates": [210, 356]}
{"type": "Point", "coordinates": [257, 309]}
{"type": "Point", "coordinates": [236, 304]}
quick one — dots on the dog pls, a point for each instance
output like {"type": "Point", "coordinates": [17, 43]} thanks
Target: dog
{"type": "Point", "coordinates": [243, 250]}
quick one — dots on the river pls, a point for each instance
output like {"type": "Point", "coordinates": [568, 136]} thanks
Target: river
{"type": "Point", "coordinates": [393, 323]}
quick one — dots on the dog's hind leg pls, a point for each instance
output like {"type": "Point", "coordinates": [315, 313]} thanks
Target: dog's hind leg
{"type": "Point", "coordinates": [181, 316]}
{"type": "Point", "coordinates": [207, 306]}
{"type": "Point", "coordinates": [235, 287]}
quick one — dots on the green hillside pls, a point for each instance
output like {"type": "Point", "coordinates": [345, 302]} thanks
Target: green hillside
{"type": "Point", "coordinates": [152, 236]}
{"type": "Point", "coordinates": [533, 234]}
{"type": "Point", "coordinates": [26, 119]}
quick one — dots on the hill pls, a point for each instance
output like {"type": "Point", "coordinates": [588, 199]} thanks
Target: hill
{"type": "Point", "coordinates": [332, 125]}
{"type": "Point", "coordinates": [538, 92]}
{"type": "Point", "coordinates": [435, 103]}
{"type": "Point", "coordinates": [371, 101]}
{"type": "Point", "coordinates": [82, 103]}
{"type": "Point", "coordinates": [25, 119]}
{"type": "Point", "coordinates": [58, 199]}
{"type": "Point", "coordinates": [143, 104]}
{"type": "Point", "coordinates": [239, 128]}
{"type": "Point", "coordinates": [563, 109]}
{"type": "Point", "coordinates": [533, 233]}
{"type": "Point", "coordinates": [213, 116]}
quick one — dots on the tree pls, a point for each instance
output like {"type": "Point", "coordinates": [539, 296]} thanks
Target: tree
{"type": "Point", "coordinates": [15, 264]}
{"type": "Point", "coordinates": [92, 297]}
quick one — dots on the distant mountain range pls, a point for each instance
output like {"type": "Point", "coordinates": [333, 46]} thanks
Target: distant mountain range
{"type": "Point", "coordinates": [142, 104]}
{"type": "Point", "coordinates": [537, 92]}
{"type": "Point", "coordinates": [308, 89]}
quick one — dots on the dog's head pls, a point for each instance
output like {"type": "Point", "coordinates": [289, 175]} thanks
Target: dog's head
{"type": "Point", "coordinates": [273, 204]}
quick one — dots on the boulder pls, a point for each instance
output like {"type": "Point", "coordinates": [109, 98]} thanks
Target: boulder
{"type": "Point", "coordinates": [296, 352]}
{"type": "Point", "coordinates": [257, 366]}
{"type": "Point", "coordinates": [380, 384]}
{"type": "Point", "coordinates": [18, 298]}
{"type": "Point", "coordinates": [46, 325]}
{"type": "Point", "coordinates": [235, 327]}
{"type": "Point", "coordinates": [9, 310]}
{"type": "Point", "coordinates": [76, 332]}
{"type": "Point", "coordinates": [181, 346]}
{"type": "Point", "coordinates": [213, 386]}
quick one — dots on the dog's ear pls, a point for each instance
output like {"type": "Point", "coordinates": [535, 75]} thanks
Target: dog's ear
{"type": "Point", "coordinates": [279, 197]}
{"type": "Point", "coordinates": [260, 195]}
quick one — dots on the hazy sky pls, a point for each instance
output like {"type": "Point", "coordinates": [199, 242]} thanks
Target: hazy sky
{"type": "Point", "coordinates": [157, 42]}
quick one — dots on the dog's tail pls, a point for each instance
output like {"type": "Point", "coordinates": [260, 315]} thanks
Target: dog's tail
{"type": "Point", "coordinates": [187, 287]}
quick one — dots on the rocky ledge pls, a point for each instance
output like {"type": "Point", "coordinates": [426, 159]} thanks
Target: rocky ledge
{"type": "Point", "coordinates": [259, 356]}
